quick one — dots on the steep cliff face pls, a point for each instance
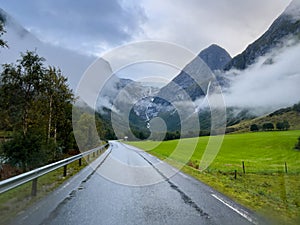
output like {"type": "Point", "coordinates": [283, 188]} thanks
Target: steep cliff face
{"type": "Point", "coordinates": [286, 25]}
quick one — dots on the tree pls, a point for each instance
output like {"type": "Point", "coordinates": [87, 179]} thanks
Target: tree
{"type": "Point", "coordinates": [58, 98]}
{"type": "Point", "coordinates": [21, 89]}
{"type": "Point", "coordinates": [286, 125]}
{"type": "Point", "coordinates": [36, 105]}
{"type": "Point", "coordinates": [254, 127]}
{"type": "Point", "coordinates": [85, 132]}
{"type": "Point", "coordinates": [296, 107]}
{"type": "Point", "coordinates": [25, 151]}
{"type": "Point", "coordinates": [268, 126]}
{"type": "Point", "coordinates": [279, 126]}
{"type": "Point", "coordinates": [104, 128]}
{"type": "Point", "coordinates": [282, 125]}
{"type": "Point", "coordinates": [2, 31]}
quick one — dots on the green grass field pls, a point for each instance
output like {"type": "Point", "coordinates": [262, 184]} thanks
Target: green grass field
{"type": "Point", "coordinates": [265, 187]}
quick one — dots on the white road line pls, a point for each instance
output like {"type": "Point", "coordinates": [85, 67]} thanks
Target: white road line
{"type": "Point", "coordinates": [236, 210]}
{"type": "Point", "coordinates": [183, 175]}
{"type": "Point", "coordinates": [67, 184]}
{"type": "Point", "coordinates": [176, 171]}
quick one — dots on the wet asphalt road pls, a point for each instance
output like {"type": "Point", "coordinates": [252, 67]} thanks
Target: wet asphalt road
{"type": "Point", "coordinates": [129, 186]}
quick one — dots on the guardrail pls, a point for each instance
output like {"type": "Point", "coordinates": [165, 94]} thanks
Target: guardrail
{"type": "Point", "coordinates": [33, 175]}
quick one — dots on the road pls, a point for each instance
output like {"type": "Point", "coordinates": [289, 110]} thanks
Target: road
{"type": "Point", "coordinates": [129, 186]}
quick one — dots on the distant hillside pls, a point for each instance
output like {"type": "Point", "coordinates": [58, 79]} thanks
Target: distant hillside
{"type": "Point", "coordinates": [290, 114]}
{"type": "Point", "coordinates": [286, 25]}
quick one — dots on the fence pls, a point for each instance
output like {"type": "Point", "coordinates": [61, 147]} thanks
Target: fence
{"type": "Point", "coordinates": [33, 175]}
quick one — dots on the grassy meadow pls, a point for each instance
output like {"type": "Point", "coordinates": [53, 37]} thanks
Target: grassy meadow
{"type": "Point", "coordinates": [266, 187]}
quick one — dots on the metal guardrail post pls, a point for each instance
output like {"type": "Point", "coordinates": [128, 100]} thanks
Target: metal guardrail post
{"type": "Point", "coordinates": [80, 163]}
{"type": "Point", "coordinates": [65, 171]}
{"type": "Point", "coordinates": [13, 182]}
{"type": "Point", "coordinates": [34, 187]}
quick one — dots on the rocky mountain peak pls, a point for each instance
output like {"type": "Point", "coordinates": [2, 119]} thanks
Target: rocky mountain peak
{"type": "Point", "coordinates": [215, 57]}
{"type": "Point", "coordinates": [286, 25]}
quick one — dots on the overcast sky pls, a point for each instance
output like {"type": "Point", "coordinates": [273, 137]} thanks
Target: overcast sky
{"type": "Point", "coordinates": [95, 26]}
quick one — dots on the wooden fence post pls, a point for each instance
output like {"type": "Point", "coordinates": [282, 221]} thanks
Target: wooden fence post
{"type": "Point", "coordinates": [286, 168]}
{"type": "Point", "coordinates": [235, 174]}
{"type": "Point", "coordinates": [243, 164]}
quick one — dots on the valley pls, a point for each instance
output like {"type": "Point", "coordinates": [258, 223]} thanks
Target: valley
{"type": "Point", "coordinates": [199, 130]}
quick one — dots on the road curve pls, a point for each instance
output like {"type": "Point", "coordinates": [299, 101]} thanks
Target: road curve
{"type": "Point", "coordinates": [128, 186]}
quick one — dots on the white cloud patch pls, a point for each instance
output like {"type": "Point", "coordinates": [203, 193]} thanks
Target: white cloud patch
{"type": "Point", "coordinates": [195, 24]}
{"type": "Point", "coordinates": [270, 84]}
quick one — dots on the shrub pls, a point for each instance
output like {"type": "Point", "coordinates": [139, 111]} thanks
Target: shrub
{"type": "Point", "coordinates": [254, 127]}
{"type": "Point", "coordinates": [268, 126]}
{"type": "Point", "coordinates": [297, 146]}
{"type": "Point", "coordinates": [25, 151]}
{"type": "Point", "coordinates": [283, 125]}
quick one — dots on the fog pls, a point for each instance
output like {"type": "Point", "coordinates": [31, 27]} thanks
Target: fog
{"type": "Point", "coordinates": [271, 83]}
{"type": "Point", "coordinates": [20, 40]}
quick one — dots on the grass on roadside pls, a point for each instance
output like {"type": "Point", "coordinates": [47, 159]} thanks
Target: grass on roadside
{"type": "Point", "coordinates": [265, 188]}
{"type": "Point", "coordinates": [19, 198]}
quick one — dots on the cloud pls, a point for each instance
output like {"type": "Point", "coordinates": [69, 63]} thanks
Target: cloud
{"type": "Point", "coordinates": [294, 9]}
{"type": "Point", "coordinates": [19, 40]}
{"type": "Point", "coordinates": [88, 27]}
{"type": "Point", "coordinates": [270, 84]}
{"type": "Point", "coordinates": [195, 24]}
{"type": "Point", "coordinates": [95, 26]}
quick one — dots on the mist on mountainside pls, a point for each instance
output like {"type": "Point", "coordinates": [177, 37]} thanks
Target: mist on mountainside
{"type": "Point", "coordinates": [269, 84]}
{"type": "Point", "coordinates": [19, 40]}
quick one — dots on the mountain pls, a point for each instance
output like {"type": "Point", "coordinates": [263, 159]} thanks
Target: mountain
{"type": "Point", "coordinates": [285, 26]}
{"type": "Point", "coordinates": [196, 73]}
{"type": "Point", "coordinates": [118, 92]}
{"type": "Point", "coordinates": [215, 57]}
{"type": "Point", "coordinates": [71, 63]}
{"type": "Point", "coordinates": [192, 83]}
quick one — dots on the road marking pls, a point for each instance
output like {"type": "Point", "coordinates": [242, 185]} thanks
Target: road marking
{"type": "Point", "coordinates": [243, 214]}
{"type": "Point", "coordinates": [184, 175]}
{"type": "Point", "coordinates": [67, 184]}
